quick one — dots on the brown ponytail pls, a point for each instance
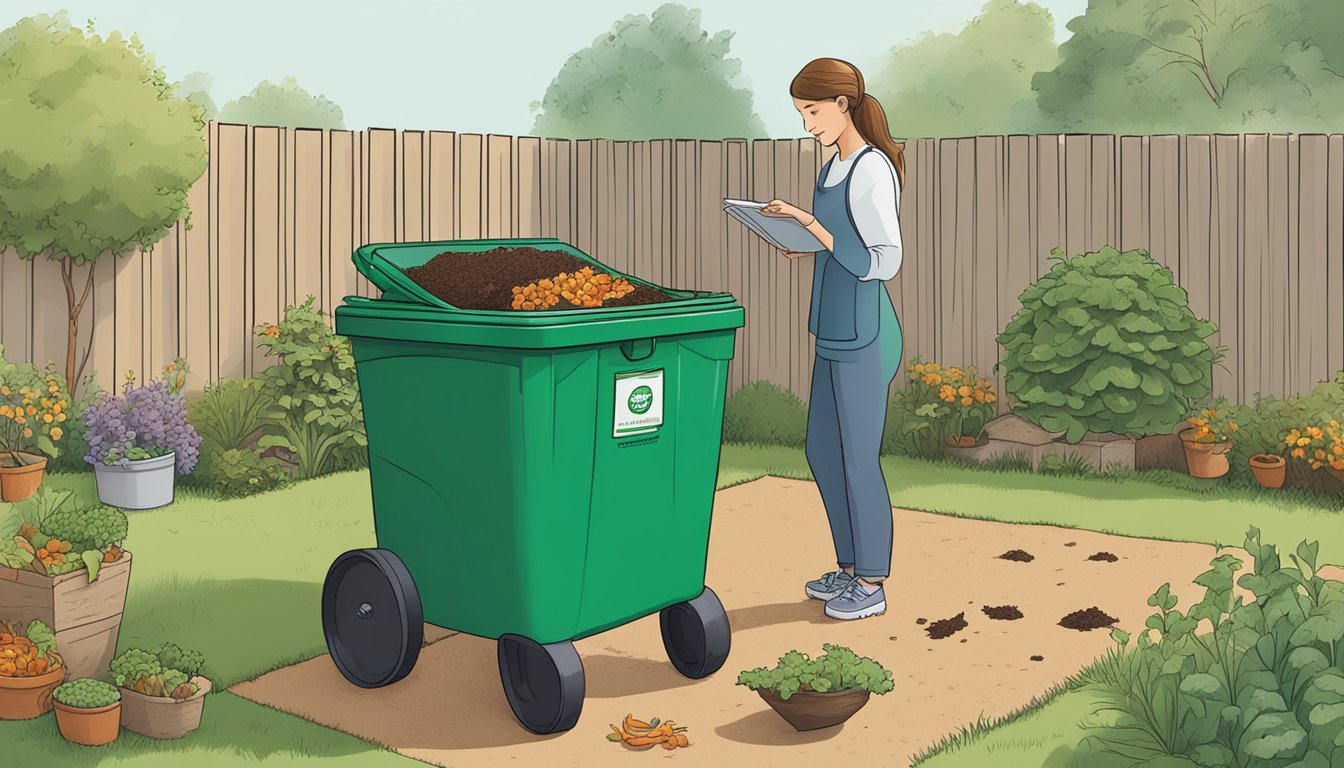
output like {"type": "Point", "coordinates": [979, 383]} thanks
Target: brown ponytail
{"type": "Point", "coordinates": [829, 79]}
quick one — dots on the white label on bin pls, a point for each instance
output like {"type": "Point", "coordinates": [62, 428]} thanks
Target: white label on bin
{"type": "Point", "coordinates": [639, 403]}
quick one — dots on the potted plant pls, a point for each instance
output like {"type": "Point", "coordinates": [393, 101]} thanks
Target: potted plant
{"type": "Point", "coordinates": [821, 692]}
{"type": "Point", "coordinates": [1321, 448]}
{"type": "Point", "coordinates": [1270, 470]}
{"type": "Point", "coordinates": [1207, 441]}
{"type": "Point", "coordinates": [162, 691]}
{"type": "Point", "coordinates": [65, 566]}
{"type": "Point", "coordinates": [30, 669]}
{"type": "Point", "coordinates": [33, 409]}
{"type": "Point", "coordinates": [139, 441]}
{"type": "Point", "coordinates": [88, 711]}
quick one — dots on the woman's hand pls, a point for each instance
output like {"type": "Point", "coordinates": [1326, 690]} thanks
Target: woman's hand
{"type": "Point", "coordinates": [783, 209]}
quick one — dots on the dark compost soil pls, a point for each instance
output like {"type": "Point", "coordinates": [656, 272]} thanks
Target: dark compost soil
{"type": "Point", "coordinates": [486, 280]}
{"type": "Point", "coordinates": [1106, 556]}
{"type": "Point", "coordinates": [1087, 620]}
{"type": "Point", "coordinates": [1002, 612]}
{"type": "Point", "coordinates": [1017, 555]}
{"type": "Point", "coordinates": [947, 627]}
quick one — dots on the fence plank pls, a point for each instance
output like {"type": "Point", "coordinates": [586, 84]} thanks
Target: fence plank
{"type": "Point", "coordinates": [50, 317]}
{"type": "Point", "coordinates": [1275, 268]}
{"type": "Point", "coordinates": [442, 185]}
{"type": "Point", "coordinates": [986, 254]}
{"type": "Point", "coordinates": [1256, 322]}
{"type": "Point", "coordinates": [734, 242]}
{"type": "Point", "coordinates": [1077, 194]}
{"type": "Point", "coordinates": [412, 187]}
{"type": "Point", "coordinates": [1197, 191]}
{"type": "Point", "coordinates": [231, 263]}
{"type": "Point", "coordinates": [343, 217]}
{"type": "Point", "coordinates": [1164, 220]}
{"type": "Point", "coordinates": [1104, 223]}
{"type": "Point", "coordinates": [470, 186]}
{"type": "Point", "coordinates": [499, 186]}
{"type": "Point", "coordinates": [267, 283]}
{"type": "Point", "coordinates": [306, 260]}
{"type": "Point", "coordinates": [762, 279]}
{"type": "Point", "coordinates": [584, 236]}
{"type": "Point", "coordinates": [1334, 256]}
{"type": "Point", "coordinates": [1311, 289]}
{"type": "Point", "coordinates": [1133, 214]}
{"type": "Point", "coordinates": [527, 183]}
{"type": "Point", "coordinates": [1225, 262]}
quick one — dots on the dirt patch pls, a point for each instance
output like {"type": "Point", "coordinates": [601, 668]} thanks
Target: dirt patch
{"type": "Point", "coordinates": [1070, 543]}
{"type": "Point", "coordinates": [1002, 612]}
{"type": "Point", "coordinates": [1104, 556]}
{"type": "Point", "coordinates": [1018, 556]}
{"type": "Point", "coordinates": [1087, 620]}
{"type": "Point", "coordinates": [486, 280]}
{"type": "Point", "coordinates": [947, 627]}
{"type": "Point", "coordinates": [921, 621]}
{"type": "Point", "coordinates": [1038, 658]}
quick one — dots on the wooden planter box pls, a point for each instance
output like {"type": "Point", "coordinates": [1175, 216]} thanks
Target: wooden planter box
{"type": "Point", "coordinates": [85, 616]}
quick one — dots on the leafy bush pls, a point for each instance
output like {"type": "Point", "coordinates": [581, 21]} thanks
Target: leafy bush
{"type": "Point", "coordinates": [75, 443]}
{"type": "Point", "coordinates": [1106, 342]}
{"type": "Point", "coordinates": [34, 407]}
{"type": "Point", "coordinates": [1265, 425]}
{"type": "Point", "coordinates": [97, 527]}
{"type": "Point", "coordinates": [144, 422]}
{"type": "Point", "coordinates": [86, 693]}
{"type": "Point", "coordinates": [237, 472]}
{"type": "Point", "coordinates": [1264, 688]}
{"type": "Point", "coordinates": [918, 418]}
{"type": "Point", "coordinates": [1068, 465]}
{"type": "Point", "coordinates": [837, 669]}
{"type": "Point", "coordinates": [763, 413]}
{"type": "Point", "coordinates": [230, 412]}
{"type": "Point", "coordinates": [317, 411]}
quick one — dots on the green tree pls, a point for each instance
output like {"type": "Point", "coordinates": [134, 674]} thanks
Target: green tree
{"type": "Point", "coordinates": [973, 82]}
{"type": "Point", "coordinates": [286, 104]}
{"type": "Point", "coordinates": [195, 88]}
{"type": "Point", "coordinates": [96, 155]}
{"type": "Point", "coordinates": [1196, 66]}
{"type": "Point", "coordinates": [650, 78]}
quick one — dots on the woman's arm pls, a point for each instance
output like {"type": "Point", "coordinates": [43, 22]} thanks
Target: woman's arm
{"type": "Point", "coordinates": [874, 200]}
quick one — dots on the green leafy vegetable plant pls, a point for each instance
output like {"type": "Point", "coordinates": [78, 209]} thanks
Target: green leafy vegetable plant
{"type": "Point", "coordinates": [1106, 342]}
{"type": "Point", "coordinates": [1261, 687]}
{"type": "Point", "coordinates": [164, 672]}
{"type": "Point", "coordinates": [837, 669]}
{"type": "Point", "coordinates": [87, 693]}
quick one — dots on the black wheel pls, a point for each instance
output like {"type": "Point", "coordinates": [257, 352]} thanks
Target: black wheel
{"type": "Point", "coordinates": [372, 618]}
{"type": "Point", "coordinates": [544, 683]}
{"type": "Point", "coordinates": [696, 635]}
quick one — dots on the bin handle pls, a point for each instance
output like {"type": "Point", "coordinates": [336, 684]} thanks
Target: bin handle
{"type": "Point", "coordinates": [637, 349]}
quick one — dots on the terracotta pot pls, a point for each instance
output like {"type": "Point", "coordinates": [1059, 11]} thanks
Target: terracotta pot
{"type": "Point", "coordinates": [1269, 470]}
{"type": "Point", "coordinates": [90, 727]}
{"type": "Point", "coordinates": [18, 483]}
{"type": "Point", "coordinates": [23, 698]}
{"type": "Point", "coordinates": [809, 710]}
{"type": "Point", "coordinates": [1206, 460]}
{"type": "Point", "coordinates": [163, 718]}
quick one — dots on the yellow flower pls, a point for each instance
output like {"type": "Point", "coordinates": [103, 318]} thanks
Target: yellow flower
{"type": "Point", "coordinates": [27, 431]}
{"type": "Point", "coordinates": [919, 368]}
{"type": "Point", "coordinates": [1339, 449]}
{"type": "Point", "coordinates": [966, 401]}
{"type": "Point", "coordinates": [979, 395]}
{"type": "Point", "coordinates": [56, 433]}
{"type": "Point", "coordinates": [1320, 454]}
{"type": "Point", "coordinates": [46, 418]}
{"type": "Point", "coordinates": [60, 417]}
{"type": "Point", "coordinates": [4, 391]}
{"type": "Point", "coordinates": [933, 379]}
{"type": "Point", "coordinates": [964, 391]}
{"type": "Point", "coordinates": [20, 419]}
{"type": "Point", "coordinates": [1299, 453]}
{"type": "Point", "coordinates": [991, 397]}
{"type": "Point", "coordinates": [1315, 433]}
{"type": "Point", "coordinates": [32, 410]}
{"type": "Point", "coordinates": [954, 373]}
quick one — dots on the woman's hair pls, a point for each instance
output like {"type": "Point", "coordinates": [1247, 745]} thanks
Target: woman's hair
{"type": "Point", "coordinates": [828, 79]}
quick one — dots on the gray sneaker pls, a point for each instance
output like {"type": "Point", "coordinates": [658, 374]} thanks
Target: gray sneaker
{"type": "Point", "coordinates": [856, 602]}
{"type": "Point", "coordinates": [828, 586]}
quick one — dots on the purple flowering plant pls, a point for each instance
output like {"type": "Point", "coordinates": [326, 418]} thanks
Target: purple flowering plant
{"type": "Point", "coordinates": [143, 423]}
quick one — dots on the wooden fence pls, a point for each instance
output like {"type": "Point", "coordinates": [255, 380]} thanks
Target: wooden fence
{"type": "Point", "coordinates": [1251, 225]}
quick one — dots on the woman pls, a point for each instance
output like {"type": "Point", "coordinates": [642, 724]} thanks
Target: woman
{"type": "Point", "coordinates": [858, 337]}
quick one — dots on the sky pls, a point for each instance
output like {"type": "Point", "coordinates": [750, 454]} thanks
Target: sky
{"type": "Point", "coordinates": [477, 66]}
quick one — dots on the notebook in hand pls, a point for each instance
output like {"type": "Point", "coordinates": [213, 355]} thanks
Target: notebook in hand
{"type": "Point", "coordinates": [780, 231]}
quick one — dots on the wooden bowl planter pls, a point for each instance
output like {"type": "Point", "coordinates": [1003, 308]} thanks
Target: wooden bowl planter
{"type": "Point", "coordinates": [1270, 471]}
{"type": "Point", "coordinates": [92, 726]}
{"type": "Point", "coordinates": [86, 616]}
{"type": "Point", "coordinates": [810, 710]}
{"type": "Point", "coordinates": [162, 717]}
{"type": "Point", "coordinates": [19, 482]}
{"type": "Point", "coordinates": [1205, 459]}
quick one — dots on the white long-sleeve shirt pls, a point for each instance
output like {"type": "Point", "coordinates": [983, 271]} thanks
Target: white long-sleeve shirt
{"type": "Point", "coordinates": [874, 200]}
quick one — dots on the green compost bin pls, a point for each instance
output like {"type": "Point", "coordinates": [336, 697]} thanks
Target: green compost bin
{"type": "Point", "coordinates": [537, 477]}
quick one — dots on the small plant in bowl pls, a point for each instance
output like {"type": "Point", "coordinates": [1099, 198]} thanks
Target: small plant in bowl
{"type": "Point", "coordinates": [821, 692]}
{"type": "Point", "coordinates": [162, 690]}
{"type": "Point", "coordinates": [88, 711]}
{"type": "Point", "coordinates": [30, 669]}
{"type": "Point", "coordinates": [137, 439]}
{"type": "Point", "coordinates": [1207, 440]}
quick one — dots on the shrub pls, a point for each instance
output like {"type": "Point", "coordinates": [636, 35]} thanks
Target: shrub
{"type": "Point", "coordinates": [918, 418]}
{"type": "Point", "coordinates": [230, 412]}
{"type": "Point", "coordinates": [144, 422]}
{"type": "Point", "coordinates": [1106, 342]}
{"type": "Point", "coordinates": [1263, 688]}
{"type": "Point", "coordinates": [75, 443]}
{"type": "Point", "coordinates": [765, 414]}
{"type": "Point", "coordinates": [33, 410]}
{"type": "Point", "coordinates": [837, 669]}
{"type": "Point", "coordinates": [1265, 425]}
{"type": "Point", "coordinates": [237, 472]}
{"type": "Point", "coordinates": [316, 409]}
{"type": "Point", "coordinates": [86, 693]}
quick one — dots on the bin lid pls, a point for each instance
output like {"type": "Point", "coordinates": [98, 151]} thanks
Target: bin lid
{"type": "Point", "coordinates": [416, 314]}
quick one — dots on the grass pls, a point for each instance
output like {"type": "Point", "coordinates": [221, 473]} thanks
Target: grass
{"type": "Point", "coordinates": [218, 575]}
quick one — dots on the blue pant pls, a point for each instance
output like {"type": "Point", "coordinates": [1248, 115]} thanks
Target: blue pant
{"type": "Point", "coordinates": [846, 415]}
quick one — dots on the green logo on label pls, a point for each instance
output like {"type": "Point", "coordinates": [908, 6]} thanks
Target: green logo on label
{"type": "Point", "coordinates": [640, 399]}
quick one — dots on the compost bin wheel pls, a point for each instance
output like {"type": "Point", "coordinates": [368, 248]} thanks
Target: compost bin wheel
{"type": "Point", "coordinates": [371, 617]}
{"type": "Point", "coordinates": [696, 635]}
{"type": "Point", "coordinates": [544, 683]}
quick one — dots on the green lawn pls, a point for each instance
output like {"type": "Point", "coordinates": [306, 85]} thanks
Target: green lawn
{"type": "Point", "coordinates": [241, 580]}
